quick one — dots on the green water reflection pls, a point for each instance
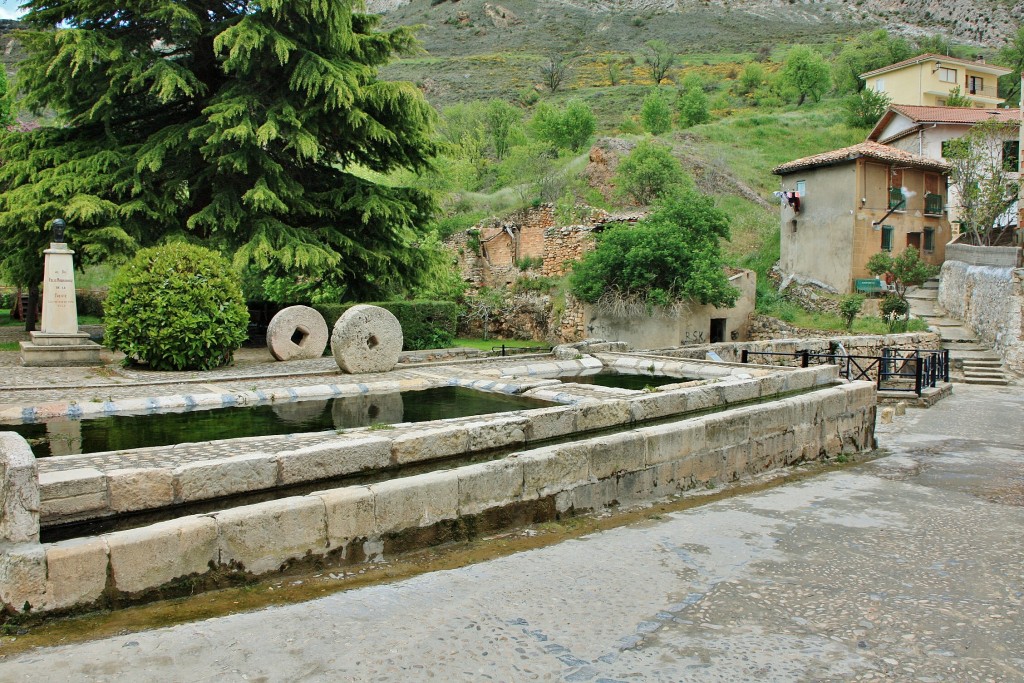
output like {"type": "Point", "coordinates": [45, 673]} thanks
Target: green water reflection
{"type": "Point", "coordinates": [122, 432]}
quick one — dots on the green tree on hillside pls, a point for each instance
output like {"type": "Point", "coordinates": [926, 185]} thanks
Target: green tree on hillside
{"type": "Point", "coordinates": [865, 107]}
{"type": "Point", "coordinates": [254, 127]}
{"type": "Point", "coordinates": [660, 58]}
{"type": "Point", "coordinates": [569, 128]}
{"type": "Point", "coordinates": [500, 118]}
{"type": "Point", "coordinates": [806, 73]}
{"type": "Point", "coordinates": [649, 172]}
{"type": "Point", "coordinates": [867, 52]}
{"type": "Point", "coordinates": [656, 113]}
{"type": "Point", "coordinates": [692, 105]}
{"type": "Point", "coordinates": [673, 254]}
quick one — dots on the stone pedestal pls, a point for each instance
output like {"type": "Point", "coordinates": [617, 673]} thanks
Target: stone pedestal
{"type": "Point", "coordinates": [58, 342]}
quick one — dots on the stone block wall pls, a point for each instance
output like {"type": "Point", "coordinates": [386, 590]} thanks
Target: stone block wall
{"type": "Point", "coordinates": [1002, 257]}
{"type": "Point", "coordinates": [564, 245]}
{"type": "Point", "coordinates": [990, 300]}
{"type": "Point", "coordinates": [354, 522]}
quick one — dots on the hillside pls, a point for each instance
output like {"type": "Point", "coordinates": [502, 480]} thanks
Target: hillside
{"type": "Point", "coordinates": [721, 24]}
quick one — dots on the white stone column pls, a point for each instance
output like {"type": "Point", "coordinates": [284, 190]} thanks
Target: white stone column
{"type": "Point", "coordinates": [60, 312]}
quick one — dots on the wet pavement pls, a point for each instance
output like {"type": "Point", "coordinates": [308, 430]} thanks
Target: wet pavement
{"type": "Point", "coordinates": [908, 567]}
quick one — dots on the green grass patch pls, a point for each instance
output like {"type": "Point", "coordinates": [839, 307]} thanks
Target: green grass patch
{"type": "Point", "coordinates": [9, 346]}
{"type": "Point", "coordinates": [488, 344]}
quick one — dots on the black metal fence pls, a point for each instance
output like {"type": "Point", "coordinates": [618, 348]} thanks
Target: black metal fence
{"type": "Point", "coordinates": [910, 370]}
{"type": "Point", "coordinates": [516, 350]}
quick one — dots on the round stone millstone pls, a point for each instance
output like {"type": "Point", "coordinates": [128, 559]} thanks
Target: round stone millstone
{"type": "Point", "coordinates": [297, 332]}
{"type": "Point", "coordinates": [366, 339]}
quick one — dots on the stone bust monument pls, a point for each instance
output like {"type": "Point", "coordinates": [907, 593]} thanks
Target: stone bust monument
{"type": "Point", "coordinates": [59, 227]}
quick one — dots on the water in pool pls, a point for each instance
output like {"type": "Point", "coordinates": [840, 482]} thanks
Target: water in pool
{"type": "Point", "coordinates": [122, 432]}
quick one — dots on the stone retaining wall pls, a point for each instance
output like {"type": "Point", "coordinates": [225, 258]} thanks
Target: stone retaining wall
{"type": "Point", "coordinates": [990, 300]}
{"type": "Point", "coordinates": [363, 521]}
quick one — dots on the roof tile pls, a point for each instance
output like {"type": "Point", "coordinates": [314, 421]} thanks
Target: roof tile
{"type": "Point", "coordinates": [872, 150]}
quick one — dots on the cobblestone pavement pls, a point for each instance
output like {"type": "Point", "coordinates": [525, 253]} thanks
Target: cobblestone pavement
{"type": "Point", "coordinates": [905, 568]}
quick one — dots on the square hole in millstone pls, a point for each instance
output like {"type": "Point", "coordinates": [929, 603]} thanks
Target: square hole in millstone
{"type": "Point", "coordinates": [299, 336]}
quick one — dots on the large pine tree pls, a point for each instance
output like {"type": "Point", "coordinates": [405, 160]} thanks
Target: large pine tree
{"type": "Point", "coordinates": [252, 126]}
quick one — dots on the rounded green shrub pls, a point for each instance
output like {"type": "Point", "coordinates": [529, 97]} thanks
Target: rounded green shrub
{"type": "Point", "coordinates": [176, 307]}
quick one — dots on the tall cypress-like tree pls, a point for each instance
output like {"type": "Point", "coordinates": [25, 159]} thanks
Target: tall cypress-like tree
{"type": "Point", "coordinates": [252, 126]}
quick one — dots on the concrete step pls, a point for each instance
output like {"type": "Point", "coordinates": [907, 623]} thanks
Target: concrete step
{"type": "Point", "coordinates": [975, 374]}
{"type": "Point", "coordinates": [982, 363]}
{"type": "Point", "coordinates": [987, 382]}
{"type": "Point", "coordinates": [924, 295]}
{"type": "Point", "coordinates": [969, 346]}
{"type": "Point", "coordinates": [930, 284]}
{"type": "Point", "coordinates": [957, 335]}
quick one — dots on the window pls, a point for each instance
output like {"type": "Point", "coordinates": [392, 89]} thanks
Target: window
{"type": "Point", "coordinates": [929, 240]}
{"type": "Point", "coordinates": [801, 188]}
{"type": "Point", "coordinates": [880, 85]}
{"type": "Point", "coordinates": [947, 75]}
{"type": "Point", "coordinates": [1011, 155]}
{"type": "Point", "coordinates": [887, 231]}
{"type": "Point", "coordinates": [897, 200]}
{"type": "Point", "coordinates": [975, 84]}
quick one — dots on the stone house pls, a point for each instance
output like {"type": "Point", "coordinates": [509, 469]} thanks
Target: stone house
{"type": "Point", "coordinates": [926, 80]}
{"type": "Point", "coordinates": [927, 130]}
{"type": "Point", "coordinates": [841, 207]}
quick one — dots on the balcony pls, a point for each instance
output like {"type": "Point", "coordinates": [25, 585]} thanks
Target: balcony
{"type": "Point", "coordinates": [896, 199]}
{"type": "Point", "coordinates": [989, 91]}
{"type": "Point", "coordinates": [933, 204]}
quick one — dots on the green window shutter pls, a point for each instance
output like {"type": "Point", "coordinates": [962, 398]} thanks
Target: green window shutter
{"type": "Point", "coordinates": [887, 231]}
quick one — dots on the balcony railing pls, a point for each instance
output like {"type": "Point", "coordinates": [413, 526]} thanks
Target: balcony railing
{"type": "Point", "coordinates": [896, 198]}
{"type": "Point", "coordinates": [933, 204]}
{"type": "Point", "coordinates": [982, 91]}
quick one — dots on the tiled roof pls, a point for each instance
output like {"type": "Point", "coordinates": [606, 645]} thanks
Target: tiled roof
{"type": "Point", "coordinates": [962, 116]}
{"type": "Point", "coordinates": [956, 114]}
{"type": "Point", "coordinates": [980, 66]}
{"type": "Point", "coordinates": [871, 150]}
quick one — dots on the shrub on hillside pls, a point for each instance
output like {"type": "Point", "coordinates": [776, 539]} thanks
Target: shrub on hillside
{"type": "Point", "coordinates": [649, 172]}
{"type": "Point", "coordinates": [176, 307]}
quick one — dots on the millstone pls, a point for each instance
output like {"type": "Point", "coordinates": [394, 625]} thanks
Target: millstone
{"type": "Point", "coordinates": [366, 339]}
{"type": "Point", "coordinates": [297, 332]}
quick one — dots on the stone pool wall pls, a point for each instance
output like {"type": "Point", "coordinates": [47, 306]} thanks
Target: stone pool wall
{"type": "Point", "coordinates": [365, 521]}
{"type": "Point", "coordinates": [89, 492]}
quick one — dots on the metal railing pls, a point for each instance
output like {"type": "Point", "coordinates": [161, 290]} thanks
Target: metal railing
{"type": "Point", "coordinates": [912, 370]}
{"type": "Point", "coordinates": [896, 198]}
{"type": "Point", "coordinates": [933, 204]}
{"type": "Point", "coordinates": [515, 350]}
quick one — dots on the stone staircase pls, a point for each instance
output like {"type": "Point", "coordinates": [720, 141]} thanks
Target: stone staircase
{"type": "Point", "coordinates": [978, 363]}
